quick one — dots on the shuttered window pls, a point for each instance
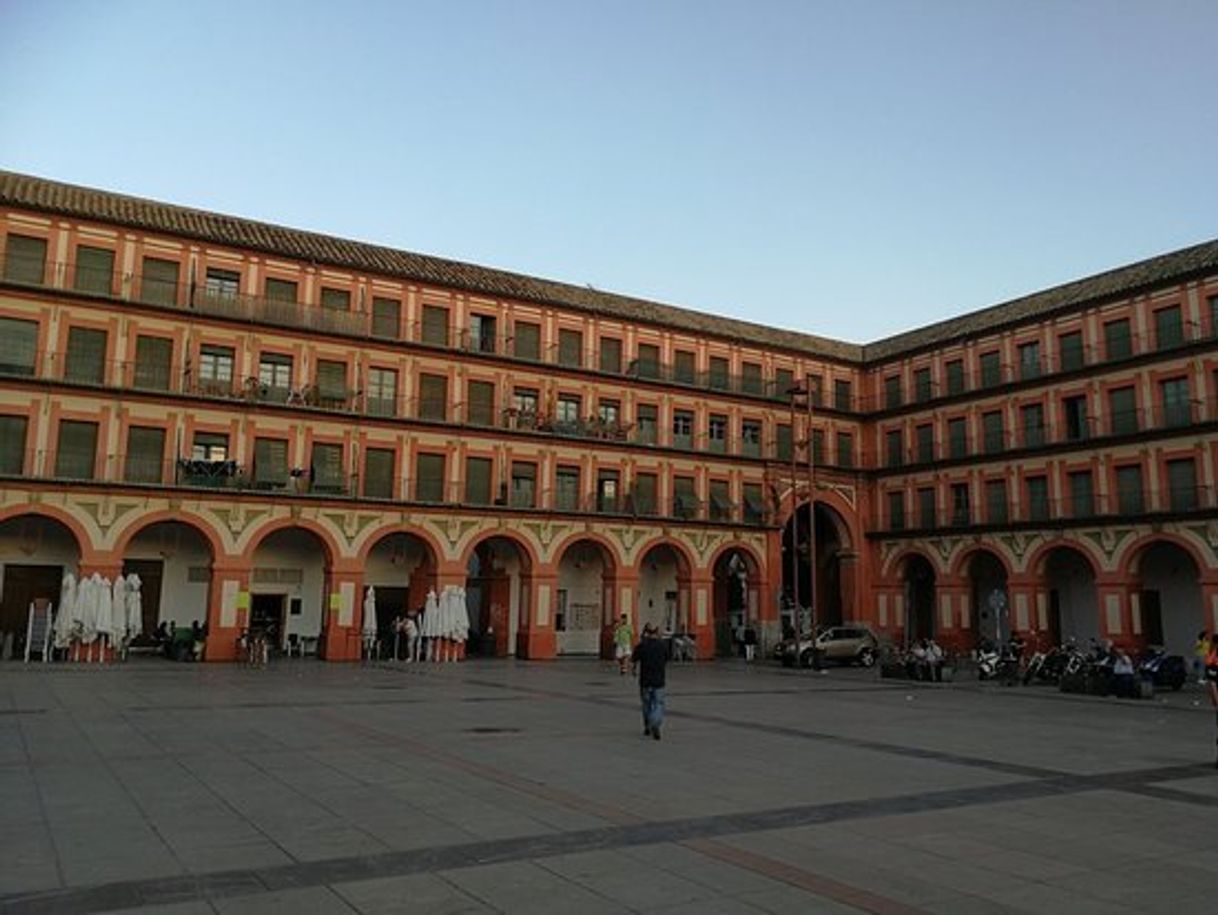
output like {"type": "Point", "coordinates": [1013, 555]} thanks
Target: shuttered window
{"type": "Point", "coordinates": [1169, 327]}
{"type": "Point", "coordinates": [335, 299]}
{"type": "Point", "coordinates": [153, 356]}
{"type": "Point", "coordinates": [382, 392]}
{"type": "Point", "coordinates": [611, 355]}
{"type": "Point", "coordinates": [270, 463]}
{"type": "Point", "coordinates": [754, 504]}
{"type": "Point", "coordinates": [222, 284]}
{"type": "Point", "coordinates": [280, 290]}
{"type": "Point", "coordinates": [216, 369]}
{"type": "Point", "coordinates": [570, 348]}
{"type": "Point", "coordinates": [720, 378]}
{"type": "Point", "coordinates": [145, 455]}
{"type": "Point", "coordinates": [76, 450]}
{"type": "Point", "coordinates": [429, 483]}
{"type": "Point", "coordinates": [645, 493]}
{"type": "Point", "coordinates": [433, 397]}
{"type": "Point", "coordinates": [683, 367]}
{"type": "Point", "coordinates": [25, 259]}
{"type": "Point", "coordinates": [481, 403]}
{"type": "Point", "coordinates": [274, 376]}
{"type": "Point", "coordinates": [331, 382]}
{"type": "Point", "coordinates": [386, 318]}
{"type": "Point", "coordinates": [567, 489]}
{"type": "Point", "coordinates": [720, 501]}
{"type": "Point", "coordinates": [526, 343]}
{"type": "Point", "coordinates": [783, 446]}
{"type": "Point", "coordinates": [435, 325]}
{"type": "Point", "coordinates": [845, 449]}
{"type": "Point", "coordinates": [12, 444]}
{"type": "Point", "coordinates": [327, 467]}
{"type": "Point", "coordinates": [160, 281]}
{"type": "Point", "coordinates": [646, 423]}
{"type": "Point", "coordinates": [784, 380]}
{"type": "Point", "coordinates": [18, 346]}
{"type": "Point", "coordinates": [996, 501]}
{"type": "Point", "coordinates": [750, 378]}
{"type": "Point", "coordinates": [684, 502]}
{"type": "Point", "coordinates": [955, 377]}
{"type": "Point", "coordinates": [378, 473]}
{"type": "Point", "coordinates": [94, 270]}
{"type": "Point", "coordinates": [1182, 484]}
{"type": "Point", "coordinates": [524, 484]}
{"type": "Point", "coordinates": [1070, 350]}
{"type": "Point", "coordinates": [1118, 339]}
{"type": "Point", "coordinates": [478, 481]}
{"type": "Point", "coordinates": [648, 363]}
{"type": "Point", "coordinates": [991, 369]}
{"type": "Point", "coordinates": [86, 356]}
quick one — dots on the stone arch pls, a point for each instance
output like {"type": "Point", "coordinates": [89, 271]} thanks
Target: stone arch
{"type": "Point", "coordinates": [587, 573]}
{"type": "Point", "coordinates": [1036, 561]}
{"type": "Point", "coordinates": [1066, 576]}
{"type": "Point", "coordinates": [37, 548]}
{"type": "Point", "coordinates": [526, 547]}
{"type": "Point", "coordinates": [85, 542]}
{"type": "Point", "coordinates": [166, 559]}
{"type": "Point", "coordinates": [402, 563]}
{"type": "Point", "coordinates": [964, 558]}
{"type": "Point", "coordinates": [368, 539]}
{"type": "Point", "coordinates": [611, 549]}
{"type": "Point", "coordinates": [824, 585]}
{"type": "Point", "coordinates": [257, 536]}
{"type": "Point", "coordinates": [499, 593]}
{"type": "Point", "coordinates": [197, 523]}
{"type": "Point", "coordinates": [682, 551]}
{"type": "Point", "coordinates": [1129, 558]}
{"type": "Point", "coordinates": [1167, 599]}
{"type": "Point", "coordinates": [988, 575]}
{"type": "Point", "coordinates": [893, 564]}
{"type": "Point", "coordinates": [665, 569]}
{"type": "Point", "coordinates": [288, 589]}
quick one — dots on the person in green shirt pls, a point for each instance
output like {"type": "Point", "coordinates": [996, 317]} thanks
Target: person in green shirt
{"type": "Point", "coordinates": [623, 644]}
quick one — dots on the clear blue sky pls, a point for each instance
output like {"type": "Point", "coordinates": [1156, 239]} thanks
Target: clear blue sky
{"type": "Point", "coordinates": [851, 168]}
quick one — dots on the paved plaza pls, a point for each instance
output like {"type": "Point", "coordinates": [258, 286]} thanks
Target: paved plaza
{"type": "Point", "coordinates": [505, 786]}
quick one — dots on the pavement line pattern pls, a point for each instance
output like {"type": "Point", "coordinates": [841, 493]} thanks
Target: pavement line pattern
{"type": "Point", "coordinates": [246, 882]}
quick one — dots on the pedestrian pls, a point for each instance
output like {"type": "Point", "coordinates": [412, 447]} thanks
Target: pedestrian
{"type": "Point", "coordinates": [1211, 675]}
{"type": "Point", "coordinates": [1200, 649]}
{"type": "Point", "coordinates": [623, 642]}
{"type": "Point", "coordinates": [650, 657]}
{"type": "Point", "coordinates": [750, 643]}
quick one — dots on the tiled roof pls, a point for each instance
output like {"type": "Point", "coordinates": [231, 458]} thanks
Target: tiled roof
{"type": "Point", "coordinates": [87, 203]}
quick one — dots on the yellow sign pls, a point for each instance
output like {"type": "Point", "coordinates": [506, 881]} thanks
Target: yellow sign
{"type": "Point", "coordinates": [336, 601]}
{"type": "Point", "coordinates": [243, 600]}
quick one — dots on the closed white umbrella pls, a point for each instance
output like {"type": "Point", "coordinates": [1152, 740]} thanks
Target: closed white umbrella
{"type": "Point", "coordinates": [431, 615]}
{"type": "Point", "coordinates": [370, 627]}
{"type": "Point", "coordinates": [135, 606]}
{"type": "Point", "coordinates": [118, 611]}
{"type": "Point", "coordinates": [105, 607]}
{"type": "Point", "coordinates": [66, 616]}
{"type": "Point", "coordinates": [462, 616]}
{"type": "Point", "coordinates": [90, 598]}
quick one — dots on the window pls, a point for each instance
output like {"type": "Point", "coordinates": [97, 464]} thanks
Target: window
{"type": "Point", "coordinates": [1082, 494]}
{"type": "Point", "coordinates": [145, 455]}
{"type": "Point", "coordinates": [526, 342]}
{"type": "Point", "coordinates": [160, 281]}
{"type": "Point", "coordinates": [647, 365]}
{"type": "Point", "coordinates": [478, 480]}
{"type": "Point", "coordinates": [993, 432]}
{"type": "Point", "coordinates": [25, 259]}
{"type": "Point", "coordinates": [682, 429]}
{"type": "Point", "coordinates": [1129, 490]}
{"type": "Point", "coordinates": [843, 395]}
{"type": "Point", "coordinates": [896, 511]}
{"type": "Point", "coordinates": [386, 318]}
{"type": "Point", "coordinates": [275, 376]}
{"type": "Point", "coordinates": [607, 482]}
{"type": "Point", "coordinates": [720, 377]}
{"type": "Point", "coordinates": [482, 334]}
{"type": "Point", "coordinates": [216, 369]}
{"type": "Point", "coordinates": [326, 468]}
{"type": "Point", "coordinates": [12, 444]}
{"type": "Point", "coordinates": [1032, 418]}
{"type": "Point", "coordinates": [524, 484]}
{"type": "Point", "coordinates": [845, 449]}
{"type": "Point", "coordinates": [922, 385]}
{"type": "Point", "coordinates": [961, 512]}
{"type": "Point", "coordinates": [1029, 360]}
{"type": "Point", "coordinates": [1177, 409]}
{"type": "Point", "coordinates": [570, 348]}
{"type": "Point", "coordinates": [611, 355]}
{"type": "Point", "coordinates": [335, 299]}
{"type": "Point", "coordinates": [784, 447]}
{"type": "Point", "coordinates": [750, 438]}
{"type": "Point", "coordinates": [717, 434]}
{"type": "Point", "coordinates": [991, 369]}
{"type": "Point", "coordinates": [480, 408]}
{"type": "Point", "coordinates": [818, 446]}
{"type": "Point", "coordinates": [524, 401]}
{"type": "Point", "coordinates": [645, 494]}
{"type": "Point", "coordinates": [683, 367]}
{"type": "Point", "coordinates": [567, 413]}
{"type": "Point", "coordinates": [1118, 341]}
{"type": "Point", "coordinates": [926, 508]}
{"type": "Point", "coordinates": [433, 398]}
{"type": "Point", "coordinates": [209, 446]}
{"type": "Point", "coordinates": [1122, 411]}
{"type": "Point", "coordinates": [382, 392]}
{"type": "Point", "coordinates": [567, 489]}
{"type": "Point", "coordinates": [1038, 498]}
{"type": "Point", "coordinates": [221, 284]}
{"type": "Point", "coordinates": [750, 378]}
{"type": "Point", "coordinates": [153, 356]}
{"type": "Point", "coordinates": [270, 463]}
{"type": "Point", "coordinates": [18, 346]}
{"type": "Point", "coordinates": [894, 448]}
{"type": "Point", "coordinates": [1076, 418]}
{"type": "Point", "coordinates": [435, 325]}
{"type": "Point", "coordinates": [331, 383]}
{"type": "Point", "coordinates": [1182, 485]}
{"type": "Point", "coordinates": [646, 424]}
{"type": "Point", "coordinates": [955, 376]}
{"type": "Point", "coordinates": [784, 380]}
{"type": "Point", "coordinates": [94, 270]}
{"type": "Point", "coordinates": [754, 504]}
{"type": "Point", "coordinates": [1070, 351]}
{"type": "Point", "coordinates": [957, 438]}
{"type": "Point", "coordinates": [684, 499]}
{"type": "Point", "coordinates": [925, 436]}
{"type": "Point", "coordinates": [721, 508]}
{"type": "Point", "coordinates": [86, 357]}
{"type": "Point", "coordinates": [892, 392]}
{"type": "Point", "coordinates": [76, 451]}
{"type": "Point", "coordinates": [609, 412]}
{"type": "Point", "coordinates": [996, 501]}
{"type": "Point", "coordinates": [378, 473]}
{"type": "Point", "coordinates": [1169, 327]}
{"type": "Point", "coordinates": [429, 477]}
{"type": "Point", "coordinates": [277, 290]}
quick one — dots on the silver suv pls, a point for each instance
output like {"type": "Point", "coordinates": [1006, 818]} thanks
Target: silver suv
{"type": "Point", "coordinates": [841, 644]}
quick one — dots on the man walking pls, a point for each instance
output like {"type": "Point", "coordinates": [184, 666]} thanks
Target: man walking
{"type": "Point", "coordinates": [650, 657]}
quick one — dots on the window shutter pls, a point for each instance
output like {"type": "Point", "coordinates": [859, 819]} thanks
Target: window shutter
{"type": "Point", "coordinates": [160, 282]}
{"type": "Point", "coordinates": [435, 325]}
{"type": "Point", "coordinates": [270, 463]}
{"type": "Point", "coordinates": [754, 504]}
{"type": "Point", "coordinates": [94, 270]}
{"type": "Point", "coordinates": [386, 318]}
{"type": "Point", "coordinates": [153, 356]}
{"type": "Point", "coordinates": [378, 473]}
{"type": "Point", "coordinates": [86, 357]}
{"type": "Point", "coordinates": [327, 468]}
{"type": "Point", "coordinates": [25, 259]}
{"type": "Point", "coordinates": [684, 502]}
{"type": "Point", "coordinates": [433, 397]}
{"type": "Point", "coordinates": [527, 343]}
{"type": "Point", "coordinates": [76, 452]}
{"type": "Point", "coordinates": [481, 406]}
{"type": "Point", "coordinates": [280, 291]}
{"type": "Point", "coordinates": [145, 454]}
{"type": "Point", "coordinates": [611, 355]}
{"type": "Point", "coordinates": [331, 380]}
{"type": "Point", "coordinates": [335, 299]}
{"type": "Point", "coordinates": [645, 493]}
{"type": "Point", "coordinates": [719, 375]}
{"type": "Point", "coordinates": [12, 444]}
{"type": "Point", "coordinates": [18, 346]}
{"type": "Point", "coordinates": [478, 481]}
{"type": "Point", "coordinates": [570, 348]}
{"type": "Point", "coordinates": [721, 501]}
{"type": "Point", "coordinates": [429, 487]}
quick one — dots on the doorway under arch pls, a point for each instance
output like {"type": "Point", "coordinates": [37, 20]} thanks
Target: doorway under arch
{"type": "Point", "coordinates": [288, 585]}
{"type": "Point", "coordinates": [1073, 611]}
{"type": "Point", "coordinates": [402, 568]}
{"type": "Point", "coordinates": [990, 604]}
{"type": "Point", "coordinates": [919, 577]}
{"type": "Point", "coordinates": [498, 575]}
{"type": "Point", "coordinates": [737, 583]}
{"type": "Point", "coordinates": [664, 589]}
{"type": "Point", "coordinates": [35, 551]}
{"type": "Point", "coordinates": [584, 608]}
{"type": "Point", "coordinates": [1169, 598]}
{"type": "Point", "coordinates": [827, 606]}
{"type": "Point", "coordinates": [173, 560]}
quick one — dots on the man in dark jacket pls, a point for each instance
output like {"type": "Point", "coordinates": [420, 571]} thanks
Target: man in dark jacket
{"type": "Point", "coordinates": [649, 658]}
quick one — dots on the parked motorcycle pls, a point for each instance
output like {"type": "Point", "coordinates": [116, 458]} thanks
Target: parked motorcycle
{"type": "Point", "coordinates": [1162, 669]}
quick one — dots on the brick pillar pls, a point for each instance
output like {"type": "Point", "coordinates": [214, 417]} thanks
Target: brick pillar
{"type": "Point", "coordinates": [1023, 615]}
{"type": "Point", "coordinates": [700, 615]}
{"type": "Point", "coordinates": [536, 639]}
{"type": "Point", "coordinates": [227, 610]}
{"type": "Point", "coordinates": [1118, 600]}
{"type": "Point", "coordinates": [342, 613]}
{"type": "Point", "coordinates": [848, 579]}
{"type": "Point", "coordinates": [621, 596]}
{"type": "Point", "coordinates": [953, 618]}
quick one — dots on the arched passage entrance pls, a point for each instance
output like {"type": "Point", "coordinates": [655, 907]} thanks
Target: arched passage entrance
{"type": "Point", "coordinates": [664, 576]}
{"type": "Point", "coordinates": [401, 566]}
{"type": "Point", "coordinates": [737, 583]}
{"type": "Point", "coordinates": [989, 601]}
{"type": "Point", "coordinates": [1169, 597]}
{"type": "Point", "coordinates": [288, 584]}
{"type": "Point", "coordinates": [1073, 610]}
{"type": "Point", "coordinates": [584, 598]}
{"type": "Point", "coordinates": [498, 576]}
{"type": "Point", "coordinates": [828, 606]}
{"type": "Point", "coordinates": [35, 551]}
{"type": "Point", "coordinates": [173, 560]}
{"type": "Point", "coordinates": [919, 577]}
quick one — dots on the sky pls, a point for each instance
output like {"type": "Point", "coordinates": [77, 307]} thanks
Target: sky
{"type": "Point", "coordinates": [850, 169]}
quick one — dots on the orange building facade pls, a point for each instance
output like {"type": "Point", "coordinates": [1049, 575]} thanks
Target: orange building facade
{"type": "Point", "coordinates": [264, 422]}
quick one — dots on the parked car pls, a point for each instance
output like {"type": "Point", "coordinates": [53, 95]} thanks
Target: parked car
{"type": "Point", "coordinates": [841, 644]}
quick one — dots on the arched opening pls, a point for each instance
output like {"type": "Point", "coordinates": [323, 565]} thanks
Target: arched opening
{"type": "Point", "coordinates": [1073, 610]}
{"type": "Point", "coordinates": [664, 589]}
{"type": "Point", "coordinates": [35, 552]}
{"type": "Point", "coordinates": [827, 606]}
{"type": "Point", "coordinates": [497, 580]}
{"type": "Point", "coordinates": [919, 598]}
{"type": "Point", "coordinates": [990, 605]}
{"type": "Point", "coordinates": [736, 598]}
{"type": "Point", "coordinates": [401, 567]}
{"type": "Point", "coordinates": [288, 584]}
{"type": "Point", "coordinates": [173, 561]}
{"type": "Point", "coordinates": [1169, 597]}
{"type": "Point", "coordinates": [584, 600]}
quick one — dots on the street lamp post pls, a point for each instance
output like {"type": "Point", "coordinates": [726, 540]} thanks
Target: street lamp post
{"type": "Point", "coordinates": [795, 393]}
